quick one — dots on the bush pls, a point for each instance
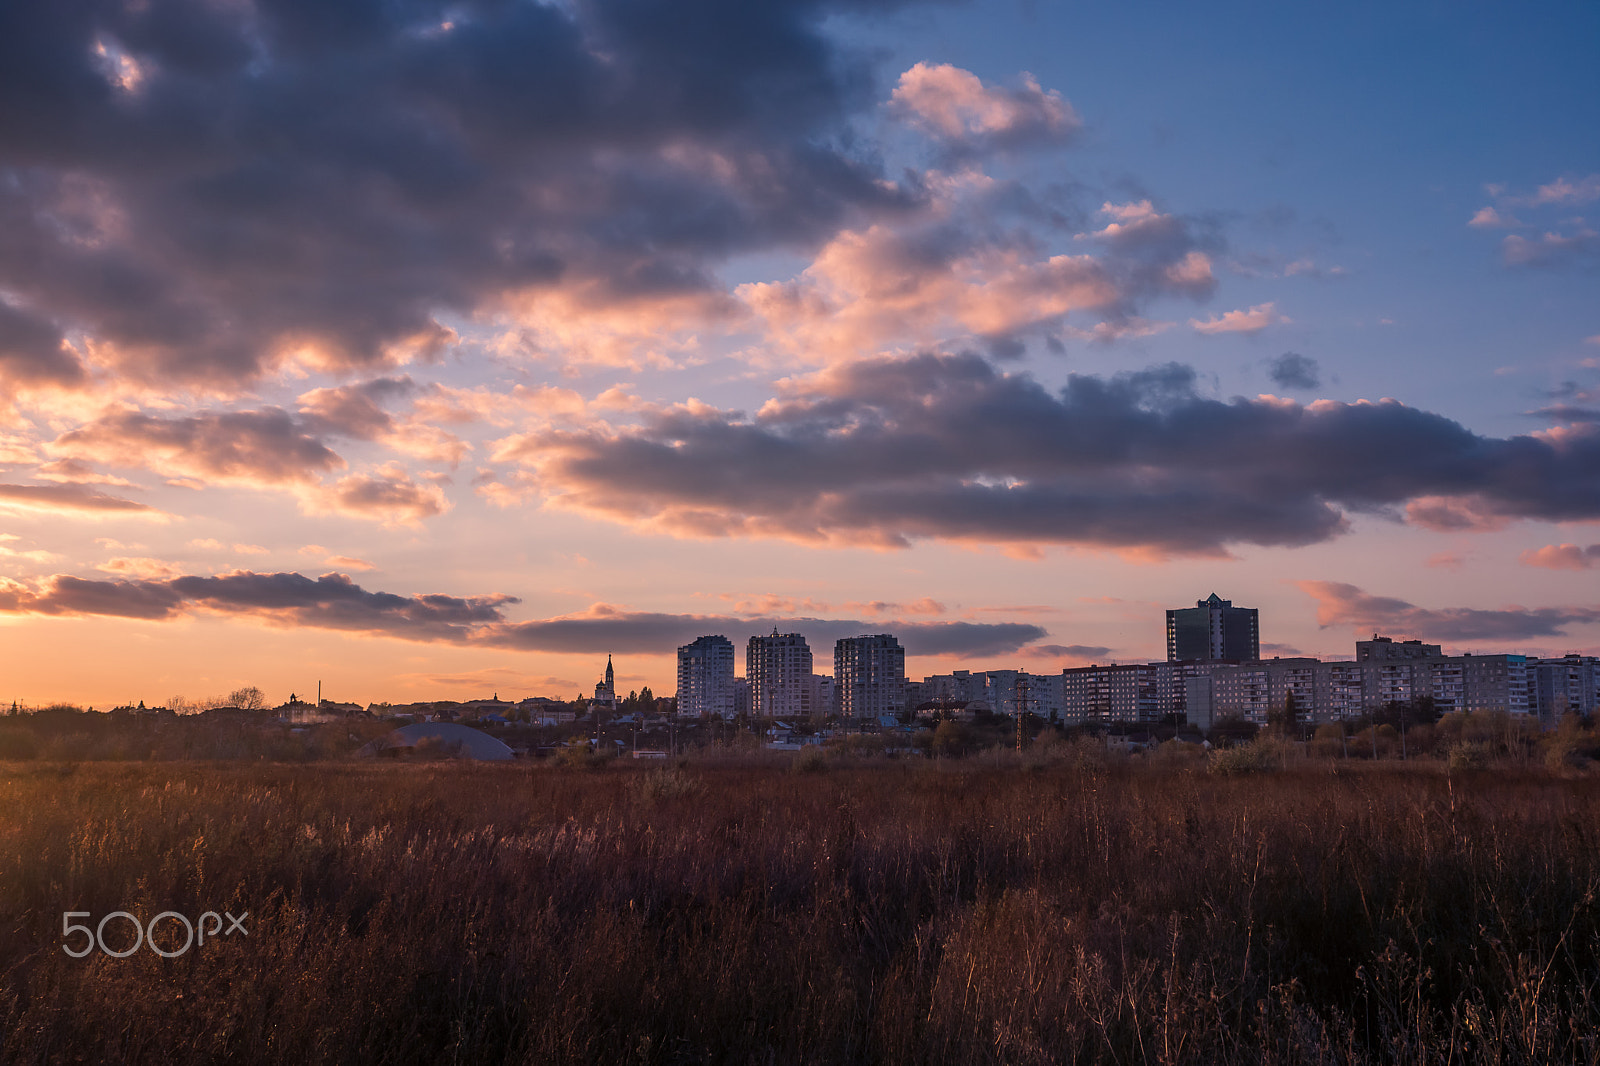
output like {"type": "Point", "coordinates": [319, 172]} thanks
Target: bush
{"type": "Point", "coordinates": [810, 759]}
{"type": "Point", "coordinates": [578, 754]}
{"type": "Point", "coordinates": [1468, 755]}
{"type": "Point", "coordinates": [1260, 754]}
{"type": "Point", "coordinates": [18, 744]}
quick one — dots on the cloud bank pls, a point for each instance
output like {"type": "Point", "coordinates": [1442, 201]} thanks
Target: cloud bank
{"type": "Point", "coordinates": [1339, 604]}
{"type": "Point", "coordinates": [334, 601]}
{"type": "Point", "coordinates": [886, 451]}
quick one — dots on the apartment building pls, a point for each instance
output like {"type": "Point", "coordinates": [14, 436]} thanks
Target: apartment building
{"type": "Point", "coordinates": [778, 671]}
{"type": "Point", "coordinates": [869, 675]}
{"type": "Point", "coordinates": [705, 677]}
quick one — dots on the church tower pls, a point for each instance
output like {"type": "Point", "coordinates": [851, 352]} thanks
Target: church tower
{"type": "Point", "coordinates": [605, 692]}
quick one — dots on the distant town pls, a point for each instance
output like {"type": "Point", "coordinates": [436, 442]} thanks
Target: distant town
{"type": "Point", "coordinates": [1213, 673]}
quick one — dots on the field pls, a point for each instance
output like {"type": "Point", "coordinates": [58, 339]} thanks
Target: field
{"type": "Point", "coordinates": [890, 912]}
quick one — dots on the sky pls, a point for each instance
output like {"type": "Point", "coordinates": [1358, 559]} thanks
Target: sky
{"type": "Point", "coordinates": [438, 350]}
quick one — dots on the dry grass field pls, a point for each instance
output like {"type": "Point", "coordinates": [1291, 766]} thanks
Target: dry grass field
{"type": "Point", "coordinates": [895, 912]}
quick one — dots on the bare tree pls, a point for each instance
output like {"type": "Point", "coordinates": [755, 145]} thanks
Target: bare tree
{"type": "Point", "coordinates": [248, 698]}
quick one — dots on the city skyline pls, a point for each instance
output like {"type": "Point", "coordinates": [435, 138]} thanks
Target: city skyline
{"type": "Point", "coordinates": [444, 349]}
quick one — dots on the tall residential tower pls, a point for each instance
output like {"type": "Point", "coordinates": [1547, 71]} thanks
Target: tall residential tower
{"type": "Point", "coordinates": [705, 678]}
{"type": "Point", "coordinates": [778, 671]}
{"type": "Point", "coordinates": [870, 675]}
{"type": "Point", "coordinates": [1213, 629]}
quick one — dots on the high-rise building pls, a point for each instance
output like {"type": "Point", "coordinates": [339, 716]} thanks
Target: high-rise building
{"type": "Point", "coordinates": [705, 678]}
{"type": "Point", "coordinates": [778, 671]}
{"type": "Point", "coordinates": [1213, 629]}
{"type": "Point", "coordinates": [869, 675]}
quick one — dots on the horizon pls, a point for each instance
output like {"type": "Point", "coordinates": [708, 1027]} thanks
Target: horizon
{"type": "Point", "coordinates": [447, 349]}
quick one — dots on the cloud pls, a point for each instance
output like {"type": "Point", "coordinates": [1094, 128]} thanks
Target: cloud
{"type": "Point", "coordinates": [1306, 268]}
{"type": "Point", "coordinates": [71, 471]}
{"type": "Point", "coordinates": [70, 499]}
{"type": "Point", "coordinates": [953, 271]}
{"type": "Point", "coordinates": [1562, 557]}
{"type": "Point", "coordinates": [1254, 320]}
{"type": "Point", "coordinates": [346, 562]}
{"type": "Point", "coordinates": [1570, 243]}
{"type": "Point", "coordinates": [265, 447]}
{"type": "Point", "coordinates": [388, 495]}
{"type": "Point", "coordinates": [604, 627]}
{"type": "Point", "coordinates": [1076, 652]}
{"type": "Point", "coordinates": [1339, 604]}
{"type": "Point", "coordinates": [208, 191]}
{"type": "Point", "coordinates": [1292, 371]}
{"type": "Point", "coordinates": [883, 286]}
{"type": "Point", "coordinates": [141, 567]}
{"type": "Point", "coordinates": [37, 555]}
{"type": "Point", "coordinates": [333, 601]}
{"type": "Point", "coordinates": [1489, 218]}
{"type": "Point", "coordinates": [1581, 247]}
{"type": "Point", "coordinates": [881, 452]}
{"type": "Point", "coordinates": [1563, 412]}
{"type": "Point", "coordinates": [1568, 191]}
{"type": "Point", "coordinates": [357, 411]}
{"type": "Point", "coordinates": [955, 107]}
{"type": "Point", "coordinates": [33, 351]}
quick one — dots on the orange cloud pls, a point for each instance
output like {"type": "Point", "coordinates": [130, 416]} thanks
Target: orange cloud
{"type": "Point", "coordinates": [1254, 320]}
{"type": "Point", "coordinates": [955, 106]}
{"type": "Point", "coordinates": [139, 567]}
{"type": "Point", "coordinates": [72, 500]}
{"type": "Point", "coordinates": [388, 495]}
{"type": "Point", "coordinates": [1562, 557]}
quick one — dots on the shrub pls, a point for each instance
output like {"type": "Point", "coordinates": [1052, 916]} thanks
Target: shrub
{"type": "Point", "coordinates": [18, 744]}
{"type": "Point", "coordinates": [1468, 755]}
{"type": "Point", "coordinates": [809, 760]}
{"type": "Point", "coordinates": [578, 754]}
{"type": "Point", "coordinates": [1260, 754]}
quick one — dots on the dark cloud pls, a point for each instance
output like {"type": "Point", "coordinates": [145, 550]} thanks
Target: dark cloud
{"type": "Point", "coordinates": [884, 451]}
{"type": "Point", "coordinates": [334, 601]}
{"type": "Point", "coordinates": [1562, 412]}
{"type": "Point", "coordinates": [605, 628]}
{"type": "Point", "coordinates": [204, 186]}
{"type": "Point", "coordinates": [31, 351]}
{"type": "Point", "coordinates": [1341, 604]}
{"type": "Point", "coordinates": [259, 447]}
{"type": "Point", "coordinates": [69, 498]}
{"type": "Point", "coordinates": [355, 411]}
{"type": "Point", "coordinates": [1067, 651]}
{"type": "Point", "coordinates": [1293, 371]}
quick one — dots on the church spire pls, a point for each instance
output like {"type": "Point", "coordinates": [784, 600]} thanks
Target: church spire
{"type": "Point", "coordinates": [608, 670]}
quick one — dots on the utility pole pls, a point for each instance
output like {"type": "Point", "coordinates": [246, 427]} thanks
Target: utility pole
{"type": "Point", "coordinates": [1023, 691]}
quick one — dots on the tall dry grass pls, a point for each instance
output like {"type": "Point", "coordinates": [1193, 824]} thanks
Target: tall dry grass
{"type": "Point", "coordinates": [903, 913]}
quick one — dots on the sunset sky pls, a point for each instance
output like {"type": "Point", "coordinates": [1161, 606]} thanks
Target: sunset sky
{"type": "Point", "coordinates": [435, 350]}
